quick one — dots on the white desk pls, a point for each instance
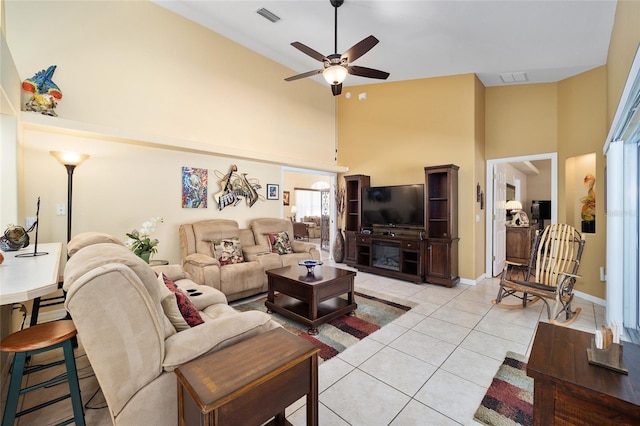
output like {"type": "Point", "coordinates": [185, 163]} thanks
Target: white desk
{"type": "Point", "coordinates": [26, 278]}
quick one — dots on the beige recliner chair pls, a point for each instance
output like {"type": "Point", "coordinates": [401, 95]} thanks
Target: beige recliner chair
{"type": "Point", "coordinates": [114, 298]}
{"type": "Point", "coordinates": [300, 250]}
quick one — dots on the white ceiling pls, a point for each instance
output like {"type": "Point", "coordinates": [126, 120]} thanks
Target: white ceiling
{"type": "Point", "coordinates": [547, 40]}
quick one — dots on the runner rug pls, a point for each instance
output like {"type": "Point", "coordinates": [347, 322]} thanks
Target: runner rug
{"type": "Point", "coordinates": [373, 313]}
{"type": "Point", "coordinates": [509, 399]}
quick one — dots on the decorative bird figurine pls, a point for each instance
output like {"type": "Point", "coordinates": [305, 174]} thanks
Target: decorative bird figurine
{"type": "Point", "coordinates": [45, 92]}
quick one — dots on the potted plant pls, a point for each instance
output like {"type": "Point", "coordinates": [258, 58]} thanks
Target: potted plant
{"type": "Point", "coordinates": [140, 241]}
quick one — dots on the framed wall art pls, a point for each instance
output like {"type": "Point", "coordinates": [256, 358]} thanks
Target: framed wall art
{"type": "Point", "coordinates": [273, 191]}
{"type": "Point", "coordinates": [285, 198]}
{"type": "Point", "coordinates": [194, 188]}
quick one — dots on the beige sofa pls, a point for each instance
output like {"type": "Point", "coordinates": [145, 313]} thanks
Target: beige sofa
{"type": "Point", "coordinates": [248, 277]}
{"type": "Point", "coordinates": [115, 301]}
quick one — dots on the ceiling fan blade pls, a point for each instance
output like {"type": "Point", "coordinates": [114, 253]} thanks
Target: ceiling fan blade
{"type": "Point", "coordinates": [360, 48]}
{"type": "Point", "coordinates": [367, 72]}
{"type": "Point", "coordinates": [303, 75]}
{"type": "Point", "coordinates": [309, 51]}
{"type": "Point", "coordinates": [336, 89]}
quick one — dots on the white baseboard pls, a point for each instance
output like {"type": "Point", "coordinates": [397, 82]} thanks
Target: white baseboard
{"type": "Point", "coordinates": [590, 298]}
{"type": "Point", "coordinates": [477, 281]}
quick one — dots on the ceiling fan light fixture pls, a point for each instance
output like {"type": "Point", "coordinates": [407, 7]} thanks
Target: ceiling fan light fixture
{"type": "Point", "coordinates": [335, 74]}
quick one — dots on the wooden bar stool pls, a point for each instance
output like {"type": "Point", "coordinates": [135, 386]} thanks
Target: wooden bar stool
{"type": "Point", "coordinates": [34, 340]}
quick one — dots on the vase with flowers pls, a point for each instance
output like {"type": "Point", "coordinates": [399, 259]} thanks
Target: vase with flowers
{"type": "Point", "coordinates": [141, 241]}
{"type": "Point", "coordinates": [338, 244]}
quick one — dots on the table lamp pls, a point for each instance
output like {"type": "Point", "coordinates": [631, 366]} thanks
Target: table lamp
{"type": "Point", "coordinates": [294, 212]}
{"type": "Point", "coordinates": [516, 212]}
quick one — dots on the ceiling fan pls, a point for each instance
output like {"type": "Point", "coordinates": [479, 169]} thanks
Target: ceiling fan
{"type": "Point", "coordinates": [336, 66]}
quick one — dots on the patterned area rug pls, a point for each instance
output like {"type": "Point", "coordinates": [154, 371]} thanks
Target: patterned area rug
{"type": "Point", "coordinates": [335, 336]}
{"type": "Point", "coordinates": [509, 399]}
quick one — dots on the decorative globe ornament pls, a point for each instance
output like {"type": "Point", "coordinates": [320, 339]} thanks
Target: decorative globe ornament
{"type": "Point", "coordinates": [15, 238]}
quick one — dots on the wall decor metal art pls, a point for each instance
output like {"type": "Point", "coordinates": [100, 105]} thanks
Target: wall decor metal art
{"type": "Point", "coordinates": [194, 188]}
{"type": "Point", "coordinates": [234, 187]}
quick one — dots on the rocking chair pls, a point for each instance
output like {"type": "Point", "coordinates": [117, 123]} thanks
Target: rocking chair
{"type": "Point", "coordinates": [550, 274]}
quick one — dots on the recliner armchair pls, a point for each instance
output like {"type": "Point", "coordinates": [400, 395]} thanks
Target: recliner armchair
{"type": "Point", "coordinates": [300, 250]}
{"type": "Point", "coordinates": [248, 277]}
{"type": "Point", "coordinates": [114, 298]}
{"type": "Point", "coordinates": [236, 280]}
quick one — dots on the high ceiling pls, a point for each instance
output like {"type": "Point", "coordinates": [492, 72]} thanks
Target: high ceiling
{"type": "Point", "coordinates": [546, 40]}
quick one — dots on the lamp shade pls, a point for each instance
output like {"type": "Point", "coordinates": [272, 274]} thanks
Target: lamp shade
{"type": "Point", "coordinates": [513, 205]}
{"type": "Point", "coordinates": [335, 74]}
{"type": "Point", "coordinates": [294, 210]}
{"type": "Point", "coordinates": [67, 158]}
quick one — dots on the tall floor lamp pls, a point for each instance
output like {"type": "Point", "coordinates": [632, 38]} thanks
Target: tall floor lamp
{"type": "Point", "coordinates": [70, 160]}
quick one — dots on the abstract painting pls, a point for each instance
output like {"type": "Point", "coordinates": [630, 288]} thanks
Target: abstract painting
{"type": "Point", "coordinates": [194, 188]}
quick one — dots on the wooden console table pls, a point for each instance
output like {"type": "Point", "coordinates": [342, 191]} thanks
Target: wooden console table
{"type": "Point", "coordinates": [250, 382]}
{"type": "Point", "coordinates": [569, 390]}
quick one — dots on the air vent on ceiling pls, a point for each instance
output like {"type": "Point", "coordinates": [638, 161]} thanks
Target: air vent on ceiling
{"type": "Point", "coordinates": [268, 14]}
{"type": "Point", "coordinates": [513, 77]}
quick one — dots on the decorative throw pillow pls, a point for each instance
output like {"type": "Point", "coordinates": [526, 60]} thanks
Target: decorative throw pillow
{"type": "Point", "coordinates": [280, 243]}
{"type": "Point", "coordinates": [187, 308]}
{"type": "Point", "coordinates": [171, 310]}
{"type": "Point", "coordinates": [170, 306]}
{"type": "Point", "coordinates": [228, 251]}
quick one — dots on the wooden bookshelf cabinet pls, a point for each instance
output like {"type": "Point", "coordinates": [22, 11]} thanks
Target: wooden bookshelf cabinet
{"type": "Point", "coordinates": [441, 214]}
{"type": "Point", "coordinates": [417, 255]}
{"type": "Point", "coordinates": [353, 193]}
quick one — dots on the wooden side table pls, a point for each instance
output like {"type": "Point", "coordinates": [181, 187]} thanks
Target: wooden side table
{"type": "Point", "coordinates": [250, 382]}
{"type": "Point", "coordinates": [569, 390]}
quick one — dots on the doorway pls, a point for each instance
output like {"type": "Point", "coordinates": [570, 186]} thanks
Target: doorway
{"type": "Point", "coordinates": [495, 216]}
{"type": "Point", "coordinates": [296, 179]}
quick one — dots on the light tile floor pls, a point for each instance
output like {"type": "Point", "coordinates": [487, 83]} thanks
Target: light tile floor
{"type": "Point", "coordinates": [431, 366]}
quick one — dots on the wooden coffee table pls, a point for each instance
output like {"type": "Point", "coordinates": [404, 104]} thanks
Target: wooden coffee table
{"type": "Point", "coordinates": [311, 299]}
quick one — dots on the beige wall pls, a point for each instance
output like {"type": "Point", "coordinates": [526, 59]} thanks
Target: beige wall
{"type": "Point", "coordinates": [539, 186]}
{"type": "Point", "coordinates": [135, 65]}
{"type": "Point", "coordinates": [404, 126]}
{"type": "Point", "coordinates": [625, 38]}
{"type": "Point", "coordinates": [582, 130]}
{"type": "Point", "coordinates": [521, 120]}
{"type": "Point", "coordinates": [147, 92]}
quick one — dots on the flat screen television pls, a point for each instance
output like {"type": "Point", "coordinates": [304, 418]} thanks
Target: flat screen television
{"type": "Point", "coordinates": [399, 206]}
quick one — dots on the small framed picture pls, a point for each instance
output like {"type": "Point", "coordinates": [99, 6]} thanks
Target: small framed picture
{"type": "Point", "coordinates": [272, 191]}
{"type": "Point", "coordinates": [285, 198]}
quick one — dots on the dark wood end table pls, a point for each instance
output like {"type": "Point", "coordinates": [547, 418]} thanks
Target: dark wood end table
{"type": "Point", "coordinates": [569, 390]}
{"type": "Point", "coordinates": [250, 382]}
{"type": "Point", "coordinates": [311, 299]}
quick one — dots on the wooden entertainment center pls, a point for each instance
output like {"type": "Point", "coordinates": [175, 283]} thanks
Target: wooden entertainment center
{"type": "Point", "coordinates": [428, 254]}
